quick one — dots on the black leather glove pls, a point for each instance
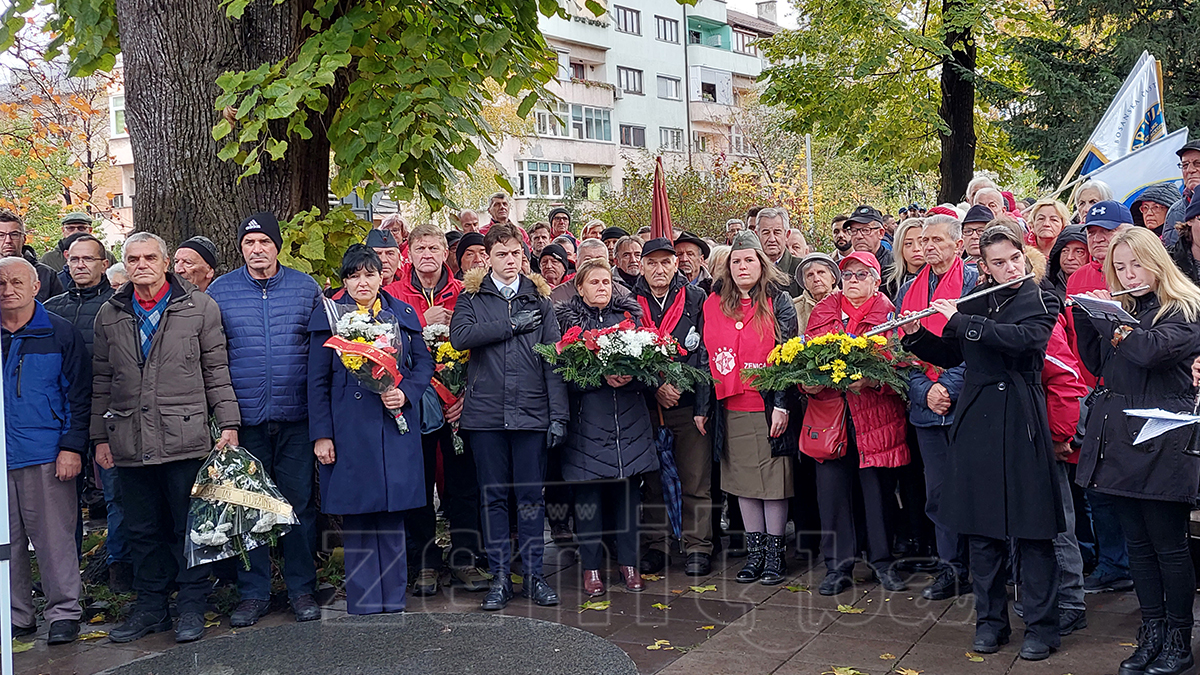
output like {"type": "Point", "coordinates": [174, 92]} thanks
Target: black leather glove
{"type": "Point", "coordinates": [526, 320]}
{"type": "Point", "coordinates": [556, 435]}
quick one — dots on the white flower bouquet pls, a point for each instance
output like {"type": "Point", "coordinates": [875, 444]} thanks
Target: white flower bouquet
{"type": "Point", "coordinates": [368, 345]}
{"type": "Point", "coordinates": [586, 357]}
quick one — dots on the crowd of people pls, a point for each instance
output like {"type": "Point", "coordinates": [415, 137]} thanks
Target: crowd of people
{"type": "Point", "coordinates": [1011, 458]}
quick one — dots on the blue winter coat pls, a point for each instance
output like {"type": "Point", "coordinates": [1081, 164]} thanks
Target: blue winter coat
{"type": "Point", "coordinates": [47, 390]}
{"type": "Point", "coordinates": [952, 378]}
{"type": "Point", "coordinates": [267, 331]}
{"type": "Point", "coordinates": [376, 468]}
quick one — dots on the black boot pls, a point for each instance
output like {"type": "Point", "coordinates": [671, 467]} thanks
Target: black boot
{"type": "Point", "coordinates": [1150, 639]}
{"type": "Point", "coordinates": [1176, 655]}
{"type": "Point", "coordinates": [755, 558]}
{"type": "Point", "coordinates": [775, 567]}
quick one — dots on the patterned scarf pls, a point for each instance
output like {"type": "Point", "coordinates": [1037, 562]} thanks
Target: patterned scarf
{"type": "Point", "coordinates": [148, 320]}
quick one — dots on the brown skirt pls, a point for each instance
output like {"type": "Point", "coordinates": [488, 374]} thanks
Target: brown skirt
{"type": "Point", "coordinates": [748, 469]}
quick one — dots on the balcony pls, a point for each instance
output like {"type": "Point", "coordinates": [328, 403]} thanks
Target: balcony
{"type": "Point", "coordinates": [723, 58]}
{"type": "Point", "coordinates": [712, 10]}
{"type": "Point", "coordinates": [585, 92]}
{"type": "Point", "coordinates": [711, 113]}
{"type": "Point", "coordinates": [580, 26]}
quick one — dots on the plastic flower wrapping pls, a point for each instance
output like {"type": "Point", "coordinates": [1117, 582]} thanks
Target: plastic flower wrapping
{"type": "Point", "coordinates": [234, 508]}
{"type": "Point", "coordinates": [833, 360]}
{"type": "Point", "coordinates": [368, 344]}
{"type": "Point", "coordinates": [449, 370]}
{"type": "Point", "coordinates": [586, 357]}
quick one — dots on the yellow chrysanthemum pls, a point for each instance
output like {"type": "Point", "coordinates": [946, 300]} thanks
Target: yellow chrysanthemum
{"type": "Point", "coordinates": [446, 353]}
{"type": "Point", "coordinates": [773, 357]}
{"type": "Point", "coordinates": [856, 376]}
{"type": "Point", "coordinates": [353, 361]}
{"type": "Point", "coordinates": [879, 340]}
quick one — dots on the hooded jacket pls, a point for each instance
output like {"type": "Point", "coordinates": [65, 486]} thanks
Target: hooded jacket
{"type": "Point", "coordinates": [509, 387]}
{"type": "Point", "coordinates": [610, 434]}
{"type": "Point", "coordinates": [1160, 193]}
{"type": "Point", "coordinates": [1056, 280]}
{"type": "Point", "coordinates": [1175, 214]}
{"type": "Point", "coordinates": [407, 288]}
{"type": "Point", "coordinates": [80, 306]}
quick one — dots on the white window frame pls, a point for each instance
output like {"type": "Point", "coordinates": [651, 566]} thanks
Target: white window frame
{"type": "Point", "coordinates": [741, 43]}
{"type": "Point", "coordinates": [632, 129]}
{"type": "Point", "coordinates": [627, 20]}
{"type": "Point", "coordinates": [546, 126]}
{"type": "Point", "coordinates": [631, 80]}
{"type": "Point", "coordinates": [666, 30]}
{"type": "Point", "coordinates": [593, 118]}
{"type": "Point", "coordinates": [738, 144]}
{"type": "Point", "coordinates": [671, 82]}
{"type": "Point", "coordinates": [116, 110]}
{"type": "Point", "coordinates": [555, 180]}
{"type": "Point", "coordinates": [670, 139]}
{"type": "Point", "coordinates": [699, 142]}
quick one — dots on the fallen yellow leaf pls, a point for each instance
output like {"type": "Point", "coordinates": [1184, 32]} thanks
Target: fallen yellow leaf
{"type": "Point", "coordinates": [651, 577]}
{"type": "Point", "coordinates": [800, 588]}
{"type": "Point", "coordinates": [659, 605]}
{"type": "Point", "coordinates": [908, 671]}
{"type": "Point", "coordinates": [850, 609]}
{"type": "Point", "coordinates": [18, 646]}
{"type": "Point", "coordinates": [706, 628]}
{"type": "Point", "coordinates": [1128, 644]}
{"type": "Point", "coordinates": [888, 657]}
{"type": "Point", "coordinates": [211, 624]}
{"type": "Point", "coordinates": [99, 618]}
{"type": "Point", "coordinates": [974, 658]}
{"type": "Point", "coordinates": [598, 605]}
{"type": "Point", "coordinates": [703, 589]}
{"type": "Point", "coordinates": [94, 635]}
{"type": "Point", "coordinates": [211, 616]}
{"type": "Point", "coordinates": [515, 578]}
{"type": "Point", "coordinates": [660, 644]}
{"type": "Point", "coordinates": [843, 670]}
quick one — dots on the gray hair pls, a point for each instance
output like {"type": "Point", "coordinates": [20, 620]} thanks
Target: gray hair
{"type": "Point", "coordinates": [18, 261]}
{"type": "Point", "coordinates": [953, 225]}
{"type": "Point", "coordinates": [139, 237]}
{"type": "Point", "coordinates": [986, 191]}
{"type": "Point", "coordinates": [978, 183]}
{"type": "Point", "coordinates": [465, 212]}
{"type": "Point", "coordinates": [1100, 186]}
{"type": "Point", "coordinates": [589, 244]}
{"type": "Point", "coordinates": [114, 270]}
{"type": "Point", "coordinates": [627, 240]}
{"type": "Point", "coordinates": [731, 221]}
{"type": "Point", "coordinates": [770, 212]}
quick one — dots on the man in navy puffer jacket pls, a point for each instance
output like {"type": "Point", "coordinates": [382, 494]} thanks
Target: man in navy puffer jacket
{"type": "Point", "coordinates": [265, 308]}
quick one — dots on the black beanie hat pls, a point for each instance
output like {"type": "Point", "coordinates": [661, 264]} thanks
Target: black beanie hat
{"type": "Point", "coordinates": [557, 210]}
{"type": "Point", "coordinates": [465, 242]}
{"type": "Point", "coordinates": [263, 223]}
{"type": "Point", "coordinates": [558, 253]}
{"type": "Point", "coordinates": [204, 247]}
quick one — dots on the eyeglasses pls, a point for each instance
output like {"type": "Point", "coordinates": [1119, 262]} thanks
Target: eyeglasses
{"type": "Point", "coordinates": [861, 275]}
{"type": "Point", "coordinates": [860, 230]}
{"type": "Point", "coordinates": [974, 231]}
{"type": "Point", "coordinates": [84, 259]}
{"type": "Point", "coordinates": [12, 235]}
{"type": "Point", "coordinates": [1189, 165]}
{"type": "Point", "coordinates": [77, 227]}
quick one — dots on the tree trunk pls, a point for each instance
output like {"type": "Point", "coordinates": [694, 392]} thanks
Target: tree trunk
{"type": "Point", "coordinates": [173, 52]}
{"type": "Point", "coordinates": [958, 107]}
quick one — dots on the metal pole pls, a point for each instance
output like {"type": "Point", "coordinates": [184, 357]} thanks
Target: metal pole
{"type": "Point", "coordinates": [808, 178]}
{"type": "Point", "coordinates": [6, 652]}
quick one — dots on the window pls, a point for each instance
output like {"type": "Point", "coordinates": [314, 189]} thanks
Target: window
{"type": "Point", "coordinates": [633, 137]}
{"type": "Point", "coordinates": [544, 179]}
{"type": "Point", "coordinates": [738, 144]}
{"type": "Point", "coordinates": [668, 87]}
{"type": "Point", "coordinates": [741, 43]}
{"type": "Point", "coordinates": [629, 20]}
{"type": "Point", "coordinates": [116, 115]}
{"type": "Point", "coordinates": [117, 201]}
{"type": "Point", "coordinates": [667, 29]}
{"type": "Point", "coordinates": [630, 79]}
{"type": "Point", "coordinates": [594, 124]}
{"type": "Point", "coordinates": [695, 37]}
{"type": "Point", "coordinates": [699, 142]}
{"type": "Point", "coordinates": [578, 71]}
{"type": "Point", "coordinates": [671, 139]}
{"type": "Point", "coordinates": [551, 123]}
{"type": "Point", "coordinates": [708, 91]}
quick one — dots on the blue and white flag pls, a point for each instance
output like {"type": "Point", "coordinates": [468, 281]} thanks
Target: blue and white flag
{"type": "Point", "coordinates": [1157, 162]}
{"type": "Point", "coordinates": [1133, 119]}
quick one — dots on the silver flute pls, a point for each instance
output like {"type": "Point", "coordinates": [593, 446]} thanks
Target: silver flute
{"type": "Point", "coordinates": [1118, 294]}
{"type": "Point", "coordinates": [915, 316]}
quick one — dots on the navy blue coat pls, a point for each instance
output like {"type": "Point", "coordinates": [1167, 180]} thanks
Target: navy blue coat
{"type": "Point", "coordinates": [267, 329]}
{"type": "Point", "coordinates": [47, 390]}
{"type": "Point", "coordinates": [376, 468]}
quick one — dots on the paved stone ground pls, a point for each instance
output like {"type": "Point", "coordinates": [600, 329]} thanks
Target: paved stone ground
{"type": "Point", "coordinates": [733, 629]}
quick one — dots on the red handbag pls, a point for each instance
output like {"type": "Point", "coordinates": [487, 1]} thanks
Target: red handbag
{"type": "Point", "coordinates": [823, 433]}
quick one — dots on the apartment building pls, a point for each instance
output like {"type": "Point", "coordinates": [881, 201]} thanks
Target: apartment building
{"type": "Point", "coordinates": [643, 78]}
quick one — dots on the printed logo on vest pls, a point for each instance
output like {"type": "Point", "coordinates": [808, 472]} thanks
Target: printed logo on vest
{"type": "Point", "coordinates": [725, 360]}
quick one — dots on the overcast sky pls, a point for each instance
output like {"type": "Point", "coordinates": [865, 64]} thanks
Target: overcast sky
{"type": "Point", "coordinates": [785, 13]}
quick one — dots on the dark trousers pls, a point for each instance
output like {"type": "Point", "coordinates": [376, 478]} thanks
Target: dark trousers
{"type": "Point", "coordinates": [693, 456]}
{"type": "Point", "coordinates": [1039, 587]}
{"type": "Point", "coordinates": [460, 504]}
{"type": "Point", "coordinates": [512, 461]}
{"type": "Point", "coordinates": [911, 522]}
{"type": "Point", "coordinates": [723, 501]}
{"type": "Point", "coordinates": [376, 570]}
{"type": "Point", "coordinates": [1112, 558]}
{"type": "Point", "coordinates": [837, 480]}
{"type": "Point", "coordinates": [1159, 559]}
{"type": "Point", "coordinates": [935, 453]}
{"type": "Point", "coordinates": [156, 500]}
{"type": "Point", "coordinates": [804, 506]}
{"type": "Point", "coordinates": [560, 498]}
{"type": "Point", "coordinates": [287, 456]}
{"type": "Point", "coordinates": [593, 500]}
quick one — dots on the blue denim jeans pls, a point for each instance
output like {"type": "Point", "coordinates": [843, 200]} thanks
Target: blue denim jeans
{"type": "Point", "coordinates": [1066, 550]}
{"type": "Point", "coordinates": [118, 547]}
{"type": "Point", "coordinates": [1110, 540]}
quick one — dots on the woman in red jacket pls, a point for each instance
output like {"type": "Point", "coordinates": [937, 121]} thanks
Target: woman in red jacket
{"type": "Point", "coordinates": [876, 433]}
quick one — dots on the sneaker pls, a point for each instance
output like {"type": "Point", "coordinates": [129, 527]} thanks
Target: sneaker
{"type": "Point", "coordinates": [472, 579]}
{"type": "Point", "coordinates": [1071, 620]}
{"type": "Point", "coordinates": [305, 608]}
{"type": "Point", "coordinates": [426, 583]}
{"type": "Point", "coordinates": [248, 612]}
{"type": "Point", "coordinates": [1099, 582]}
{"type": "Point", "coordinates": [140, 624]}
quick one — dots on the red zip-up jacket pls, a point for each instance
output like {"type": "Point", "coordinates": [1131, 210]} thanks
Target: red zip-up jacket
{"type": "Point", "coordinates": [1063, 381]}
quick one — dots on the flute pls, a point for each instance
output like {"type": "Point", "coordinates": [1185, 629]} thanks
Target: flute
{"type": "Point", "coordinates": [1069, 302]}
{"type": "Point", "coordinates": [930, 311]}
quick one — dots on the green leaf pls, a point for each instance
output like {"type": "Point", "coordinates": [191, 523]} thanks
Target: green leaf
{"type": "Point", "coordinates": [662, 606]}
{"type": "Point", "coordinates": [800, 588]}
{"type": "Point", "coordinates": [527, 104]}
{"type": "Point", "coordinates": [974, 658]}
{"type": "Point", "coordinates": [703, 589]}
{"type": "Point", "coordinates": [221, 129]}
{"type": "Point", "coordinates": [850, 609]}
{"type": "Point", "coordinates": [597, 605]}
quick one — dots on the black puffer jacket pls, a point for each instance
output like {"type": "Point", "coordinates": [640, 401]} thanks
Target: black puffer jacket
{"type": "Point", "coordinates": [1151, 368]}
{"type": "Point", "coordinates": [509, 387]}
{"type": "Point", "coordinates": [610, 435]}
{"type": "Point", "coordinates": [1181, 253]}
{"type": "Point", "coordinates": [689, 332]}
{"type": "Point", "coordinates": [80, 305]}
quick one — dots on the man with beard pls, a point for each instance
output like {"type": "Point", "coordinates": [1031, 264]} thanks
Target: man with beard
{"type": "Point", "coordinates": [841, 238]}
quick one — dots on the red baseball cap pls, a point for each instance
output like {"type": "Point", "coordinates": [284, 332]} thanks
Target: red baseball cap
{"type": "Point", "coordinates": [863, 257]}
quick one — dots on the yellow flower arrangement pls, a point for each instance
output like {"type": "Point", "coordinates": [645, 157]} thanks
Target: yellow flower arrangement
{"type": "Point", "coordinates": [833, 360]}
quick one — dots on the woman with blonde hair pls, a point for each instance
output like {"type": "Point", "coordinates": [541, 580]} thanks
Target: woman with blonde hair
{"type": "Point", "coordinates": [909, 256]}
{"type": "Point", "coordinates": [748, 313]}
{"type": "Point", "coordinates": [1046, 219]}
{"type": "Point", "coordinates": [1152, 484]}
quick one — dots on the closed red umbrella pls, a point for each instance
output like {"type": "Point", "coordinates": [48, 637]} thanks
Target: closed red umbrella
{"type": "Point", "coordinates": [660, 211]}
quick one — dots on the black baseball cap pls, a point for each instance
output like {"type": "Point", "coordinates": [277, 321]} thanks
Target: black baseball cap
{"type": "Point", "coordinates": [1190, 145]}
{"type": "Point", "coordinates": [866, 214]}
{"type": "Point", "coordinates": [656, 245]}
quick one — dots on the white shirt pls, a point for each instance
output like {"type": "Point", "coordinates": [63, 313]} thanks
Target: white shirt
{"type": "Point", "coordinates": [500, 286]}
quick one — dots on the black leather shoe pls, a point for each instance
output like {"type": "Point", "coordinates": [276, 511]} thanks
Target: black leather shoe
{"type": "Point", "coordinates": [890, 580]}
{"type": "Point", "coordinates": [540, 592]}
{"type": "Point", "coordinates": [1151, 637]}
{"type": "Point", "coordinates": [498, 594]}
{"type": "Point", "coordinates": [1071, 620]}
{"type": "Point", "coordinates": [653, 561]}
{"type": "Point", "coordinates": [139, 625]}
{"type": "Point", "coordinates": [986, 643]}
{"type": "Point", "coordinates": [834, 583]}
{"type": "Point", "coordinates": [62, 632]}
{"type": "Point", "coordinates": [698, 565]}
{"type": "Point", "coordinates": [22, 631]}
{"type": "Point", "coordinates": [190, 627]}
{"type": "Point", "coordinates": [947, 585]}
{"type": "Point", "coordinates": [305, 608]}
{"type": "Point", "coordinates": [1176, 655]}
{"type": "Point", "coordinates": [1034, 649]}
{"type": "Point", "coordinates": [248, 612]}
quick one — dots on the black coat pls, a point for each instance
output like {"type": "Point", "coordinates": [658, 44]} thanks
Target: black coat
{"type": "Point", "coordinates": [1055, 280]}
{"type": "Point", "coordinates": [610, 435]}
{"type": "Point", "coordinates": [1151, 368]}
{"type": "Point", "coordinates": [79, 306]}
{"type": "Point", "coordinates": [1181, 253]}
{"type": "Point", "coordinates": [509, 387]}
{"type": "Point", "coordinates": [51, 284]}
{"type": "Point", "coordinates": [690, 324]}
{"type": "Point", "coordinates": [1001, 480]}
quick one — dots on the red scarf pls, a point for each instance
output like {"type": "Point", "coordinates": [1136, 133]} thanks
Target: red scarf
{"type": "Point", "coordinates": [670, 317]}
{"type": "Point", "coordinates": [855, 325]}
{"type": "Point", "coordinates": [730, 348]}
{"type": "Point", "coordinates": [949, 287]}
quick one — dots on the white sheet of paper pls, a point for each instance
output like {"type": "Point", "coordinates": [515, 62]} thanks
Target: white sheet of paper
{"type": "Point", "coordinates": [1098, 308]}
{"type": "Point", "coordinates": [1159, 422]}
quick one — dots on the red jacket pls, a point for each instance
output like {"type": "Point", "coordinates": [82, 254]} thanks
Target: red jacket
{"type": "Point", "coordinates": [878, 414]}
{"type": "Point", "coordinates": [407, 288]}
{"type": "Point", "coordinates": [1088, 278]}
{"type": "Point", "coordinates": [1062, 379]}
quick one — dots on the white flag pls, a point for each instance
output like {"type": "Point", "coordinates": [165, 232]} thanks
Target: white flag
{"type": "Point", "coordinates": [1157, 162]}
